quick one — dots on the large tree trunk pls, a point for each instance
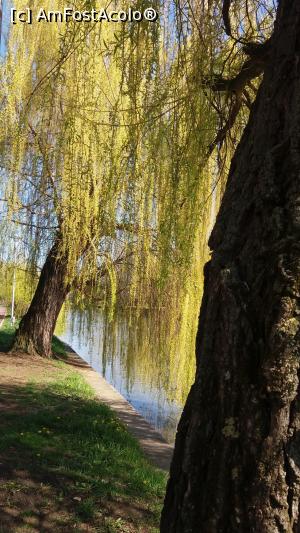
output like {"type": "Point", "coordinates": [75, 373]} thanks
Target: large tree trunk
{"type": "Point", "coordinates": [236, 465]}
{"type": "Point", "coordinates": [36, 328]}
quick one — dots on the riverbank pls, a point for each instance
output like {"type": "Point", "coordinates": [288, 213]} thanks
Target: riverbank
{"type": "Point", "coordinates": [153, 444]}
{"type": "Point", "coordinates": [66, 462]}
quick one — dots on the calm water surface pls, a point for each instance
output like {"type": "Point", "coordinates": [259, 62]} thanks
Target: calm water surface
{"type": "Point", "coordinates": [127, 372]}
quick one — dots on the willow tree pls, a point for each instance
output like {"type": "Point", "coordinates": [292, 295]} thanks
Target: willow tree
{"type": "Point", "coordinates": [236, 462]}
{"type": "Point", "coordinates": [86, 175]}
{"type": "Point", "coordinates": [105, 139]}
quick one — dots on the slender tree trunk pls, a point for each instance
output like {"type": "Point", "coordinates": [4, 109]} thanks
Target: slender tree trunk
{"type": "Point", "coordinates": [236, 465]}
{"type": "Point", "coordinates": [37, 326]}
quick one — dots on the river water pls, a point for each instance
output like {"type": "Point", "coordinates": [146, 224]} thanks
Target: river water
{"type": "Point", "coordinates": [137, 370]}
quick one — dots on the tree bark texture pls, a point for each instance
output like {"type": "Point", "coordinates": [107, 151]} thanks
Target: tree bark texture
{"type": "Point", "coordinates": [236, 465]}
{"type": "Point", "coordinates": [36, 328]}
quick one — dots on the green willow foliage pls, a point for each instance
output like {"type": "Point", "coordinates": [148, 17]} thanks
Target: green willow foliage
{"type": "Point", "coordinates": [104, 135]}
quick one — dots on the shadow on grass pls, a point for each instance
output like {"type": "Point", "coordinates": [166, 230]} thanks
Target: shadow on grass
{"type": "Point", "coordinates": [66, 460]}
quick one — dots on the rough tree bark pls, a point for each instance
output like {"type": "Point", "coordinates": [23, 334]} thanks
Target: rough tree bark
{"type": "Point", "coordinates": [36, 328]}
{"type": "Point", "coordinates": [236, 465]}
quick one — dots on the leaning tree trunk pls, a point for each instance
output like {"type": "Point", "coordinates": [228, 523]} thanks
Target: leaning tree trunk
{"type": "Point", "coordinates": [36, 328]}
{"type": "Point", "coordinates": [236, 465]}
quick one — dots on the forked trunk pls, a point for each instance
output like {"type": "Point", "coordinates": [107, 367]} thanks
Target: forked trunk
{"type": "Point", "coordinates": [236, 466]}
{"type": "Point", "coordinates": [37, 326]}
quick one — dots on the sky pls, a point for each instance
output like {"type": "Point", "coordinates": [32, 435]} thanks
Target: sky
{"type": "Point", "coordinates": [6, 6]}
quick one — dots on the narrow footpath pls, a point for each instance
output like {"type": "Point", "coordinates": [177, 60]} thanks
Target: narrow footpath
{"type": "Point", "coordinates": [154, 445]}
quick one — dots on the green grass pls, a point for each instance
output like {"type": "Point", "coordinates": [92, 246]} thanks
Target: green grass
{"type": "Point", "coordinates": [7, 334]}
{"type": "Point", "coordinates": [69, 440]}
{"type": "Point", "coordinates": [58, 347]}
{"type": "Point", "coordinates": [58, 435]}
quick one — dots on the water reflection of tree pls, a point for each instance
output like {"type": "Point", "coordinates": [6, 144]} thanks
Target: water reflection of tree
{"type": "Point", "coordinates": [157, 343]}
{"type": "Point", "coordinates": [150, 348]}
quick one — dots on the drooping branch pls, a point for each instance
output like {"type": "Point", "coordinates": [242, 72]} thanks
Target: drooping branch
{"type": "Point", "coordinates": [43, 151]}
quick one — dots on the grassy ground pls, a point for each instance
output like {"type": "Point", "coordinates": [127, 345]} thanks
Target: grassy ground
{"type": "Point", "coordinates": [66, 463]}
{"type": "Point", "coordinates": [7, 332]}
